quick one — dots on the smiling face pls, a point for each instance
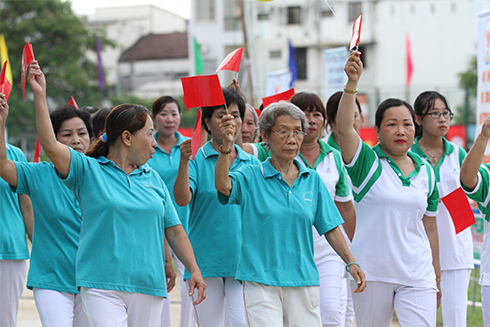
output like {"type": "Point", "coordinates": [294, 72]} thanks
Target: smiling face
{"type": "Point", "coordinates": [74, 133]}
{"type": "Point", "coordinates": [437, 127]}
{"type": "Point", "coordinates": [248, 128]}
{"type": "Point", "coordinates": [213, 123]}
{"type": "Point", "coordinates": [284, 149]}
{"type": "Point", "coordinates": [143, 144]}
{"type": "Point", "coordinates": [397, 131]}
{"type": "Point", "coordinates": [167, 121]}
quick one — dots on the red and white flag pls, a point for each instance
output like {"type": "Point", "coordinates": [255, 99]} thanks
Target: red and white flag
{"type": "Point", "coordinates": [232, 61]}
{"type": "Point", "coordinates": [409, 59]}
{"type": "Point", "coordinates": [356, 33]}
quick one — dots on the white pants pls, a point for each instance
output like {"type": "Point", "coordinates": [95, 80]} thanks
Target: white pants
{"type": "Point", "coordinates": [166, 319]}
{"type": "Point", "coordinates": [186, 307]}
{"type": "Point", "coordinates": [282, 306]}
{"type": "Point", "coordinates": [59, 308]}
{"type": "Point", "coordinates": [414, 306]}
{"type": "Point", "coordinates": [346, 299]}
{"type": "Point", "coordinates": [485, 304]}
{"type": "Point", "coordinates": [454, 301]}
{"type": "Point", "coordinates": [12, 282]}
{"type": "Point", "coordinates": [120, 309]}
{"type": "Point", "coordinates": [332, 308]}
{"type": "Point", "coordinates": [211, 311]}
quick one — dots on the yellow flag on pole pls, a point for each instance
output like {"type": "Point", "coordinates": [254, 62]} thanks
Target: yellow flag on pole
{"type": "Point", "coordinates": [4, 56]}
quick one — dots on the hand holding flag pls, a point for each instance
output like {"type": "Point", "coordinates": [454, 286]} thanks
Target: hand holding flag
{"type": "Point", "coordinates": [27, 58]}
{"type": "Point", "coordinates": [231, 61]}
{"type": "Point", "coordinates": [356, 34]}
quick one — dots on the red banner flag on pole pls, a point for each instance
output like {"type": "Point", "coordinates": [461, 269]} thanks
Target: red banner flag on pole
{"type": "Point", "coordinates": [258, 111]}
{"type": "Point", "coordinates": [197, 135]}
{"type": "Point", "coordinates": [459, 208]}
{"type": "Point", "coordinates": [356, 34]}
{"type": "Point", "coordinates": [409, 59]}
{"type": "Point", "coordinates": [37, 152]}
{"type": "Point", "coordinates": [286, 95]}
{"type": "Point", "coordinates": [5, 86]}
{"type": "Point", "coordinates": [73, 103]}
{"type": "Point", "coordinates": [202, 91]}
{"type": "Point", "coordinates": [232, 61]}
{"type": "Point", "coordinates": [27, 58]}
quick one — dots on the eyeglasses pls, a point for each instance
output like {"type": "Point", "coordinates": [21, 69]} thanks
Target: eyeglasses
{"type": "Point", "coordinates": [437, 114]}
{"type": "Point", "coordinates": [284, 134]}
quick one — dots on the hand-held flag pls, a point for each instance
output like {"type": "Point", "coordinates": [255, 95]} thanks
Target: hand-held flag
{"type": "Point", "coordinates": [202, 91]}
{"type": "Point", "coordinates": [5, 86]}
{"type": "Point", "coordinates": [73, 103]}
{"type": "Point", "coordinates": [356, 34]}
{"type": "Point", "coordinates": [459, 208]}
{"type": "Point", "coordinates": [286, 95]}
{"type": "Point", "coordinates": [196, 135]}
{"type": "Point", "coordinates": [232, 61]}
{"type": "Point", "coordinates": [258, 112]}
{"type": "Point", "coordinates": [4, 56]}
{"type": "Point", "coordinates": [409, 59]}
{"type": "Point", "coordinates": [27, 58]}
{"type": "Point", "coordinates": [37, 152]}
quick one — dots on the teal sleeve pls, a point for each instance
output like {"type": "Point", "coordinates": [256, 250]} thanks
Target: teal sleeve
{"type": "Point", "coordinates": [327, 215]}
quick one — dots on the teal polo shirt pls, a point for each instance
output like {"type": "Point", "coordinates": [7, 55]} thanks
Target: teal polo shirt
{"type": "Point", "coordinates": [56, 227]}
{"type": "Point", "coordinates": [13, 242]}
{"type": "Point", "coordinates": [277, 247]}
{"type": "Point", "coordinates": [214, 229]}
{"type": "Point", "coordinates": [167, 166]}
{"type": "Point", "coordinates": [123, 222]}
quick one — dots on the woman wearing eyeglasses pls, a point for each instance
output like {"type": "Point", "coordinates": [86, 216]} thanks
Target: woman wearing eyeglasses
{"type": "Point", "coordinates": [433, 117]}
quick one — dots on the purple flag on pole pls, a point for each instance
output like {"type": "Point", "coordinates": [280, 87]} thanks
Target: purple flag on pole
{"type": "Point", "coordinates": [101, 69]}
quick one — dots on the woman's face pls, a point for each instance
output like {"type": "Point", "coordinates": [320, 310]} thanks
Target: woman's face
{"type": "Point", "coordinates": [436, 127]}
{"type": "Point", "coordinates": [317, 123]}
{"type": "Point", "coordinates": [73, 133]}
{"type": "Point", "coordinates": [397, 131]}
{"type": "Point", "coordinates": [284, 149]}
{"type": "Point", "coordinates": [143, 144]}
{"type": "Point", "coordinates": [167, 121]}
{"type": "Point", "coordinates": [213, 123]}
{"type": "Point", "coordinates": [248, 127]}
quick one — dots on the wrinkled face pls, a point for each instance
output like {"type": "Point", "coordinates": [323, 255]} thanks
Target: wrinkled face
{"type": "Point", "coordinates": [143, 144]}
{"type": "Point", "coordinates": [285, 148]}
{"type": "Point", "coordinates": [213, 123]}
{"type": "Point", "coordinates": [317, 123]}
{"type": "Point", "coordinates": [437, 127]}
{"type": "Point", "coordinates": [167, 121]}
{"type": "Point", "coordinates": [73, 133]}
{"type": "Point", "coordinates": [397, 131]}
{"type": "Point", "coordinates": [248, 127]}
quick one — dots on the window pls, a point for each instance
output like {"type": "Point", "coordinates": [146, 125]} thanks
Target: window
{"type": "Point", "coordinates": [232, 15]}
{"type": "Point", "coordinates": [301, 63]}
{"type": "Point", "coordinates": [294, 15]}
{"type": "Point", "coordinates": [205, 10]}
{"type": "Point", "coordinates": [326, 13]}
{"type": "Point", "coordinates": [453, 7]}
{"type": "Point", "coordinates": [432, 8]}
{"type": "Point", "coordinates": [275, 54]}
{"type": "Point", "coordinates": [263, 16]}
{"type": "Point", "coordinates": [355, 9]}
{"type": "Point", "coordinates": [412, 9]}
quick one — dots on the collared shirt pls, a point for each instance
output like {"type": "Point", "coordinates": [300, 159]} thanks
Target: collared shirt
{"type": "Point", "coordinates": [167, 166]}
{"type": "Point", "coordinates": [214, 229]}
{"type": "Point", "coordinates": [13, 242]}
{"type": "Point", "coordinates": [123, 221]}
{"type": "Point", "coordinates": [331, 141]}
{"type": "Point", "coordinates": [277, 246]}
{"type": "Point", "coordinates": [56, 227]}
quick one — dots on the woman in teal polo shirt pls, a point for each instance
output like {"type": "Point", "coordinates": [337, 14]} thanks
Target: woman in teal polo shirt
{"type": "Point", "coordinates": [57, 226]}
{"type": "Point", "coordinates": [280, 200]}
{"type": "Point", "coordinates": [126, 211]}
{"type": "Point", "coordinates": [214, 230]}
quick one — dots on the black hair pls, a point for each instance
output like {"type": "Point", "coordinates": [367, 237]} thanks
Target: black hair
{"type": "Point", "coordinates": [332, 107]}
{"type": "Point", "coordinates": [161, 102]}
{"type": "Point", "coordinates": [98, 120]}
{"type": "Point", "coordinates": [59, 115]}
{"type": "Point", "coordinates": [231, 98]}
{"type": "Point", "coordinates": [424, 102]}
{"type": "Point", "coordinates": [390, 103]}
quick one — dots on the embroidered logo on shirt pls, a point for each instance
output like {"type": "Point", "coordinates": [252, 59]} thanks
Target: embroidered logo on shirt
{"type": "Point", "coordinates": [308, 198]}
{"type": "Point", "coordinates": [150, 186]}
{"type": "Point", "coordinates": [455, 171]}
{"type": "Point", "coordinates": [328, 170]}
{"type": "Point", "coordinates": [423, 182]}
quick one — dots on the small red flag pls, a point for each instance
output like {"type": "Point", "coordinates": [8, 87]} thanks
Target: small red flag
{"type": "Point", "coordinates": [231, 61]}
{"type": "Point", "coordinates": [197, 135]}
{"type": "Point", "coordinates": [459, 208]}
{"type": "Point", "coordinates": [5, 86]}
{"type": "Point", "coordinates": [356, 33]}
{"type": "Point", "coordinates": [258, 111]}
{"type": "Point", "coordinates": [37, 152]}
{"type": "Point", "coordinates": [202, 91]}
{"type": "Point", "coordinates": [409, 59]}
{"type": "Point", "coordinates": [286, 95]}
{"type": "Point", "coordinates": [73, 103]}
{"type": "Point", "coordinates": [27, 58]}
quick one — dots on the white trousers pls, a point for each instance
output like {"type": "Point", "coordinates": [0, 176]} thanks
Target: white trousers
{"type": "Point", "coordinates": [59, 308]}
{"type": "Point", "coordinates": [454, 301]}
{"type": "Point", "coordinates": [282, 306]}
{"type": "Point", "coordinates": [414, 306]}
{"type": "Point", "coordinates": [485, 304]}
{"type": "Point", "coordinates": [186, 307]}
{"type": "Point", "coordinates": [220, 292]}
{"type": "Point", "coordinates": [346, 300]}
{"type": "Point", "coordinates": [166, 319]}
{"type": "Point", "coordinates": [12, 282]}
{"type": "Point", "coordinates": [332, 307]}
{"type": "Point", "coordinates": [120, 309]}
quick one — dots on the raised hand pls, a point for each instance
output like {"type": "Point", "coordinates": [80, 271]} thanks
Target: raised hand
{"type": "Point", "coordinates": [227, 128]}
{"type": "Point", "coordinates": [186, 150]}
{"type": "Point", "coordinates": [353, 67]}
{"type": "Point", "coordinates": [4, 109]}
{"type": "Point", "coordinates": [36, 78]}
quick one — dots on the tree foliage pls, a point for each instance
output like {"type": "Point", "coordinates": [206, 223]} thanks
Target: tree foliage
{"type": "Point", "coordinates": [60, 41]}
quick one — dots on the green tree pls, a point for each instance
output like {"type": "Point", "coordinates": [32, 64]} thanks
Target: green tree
{"type": "Point", "coordinates": [60, 41]}
{"type": "Point", "coordinates": [468, 80]}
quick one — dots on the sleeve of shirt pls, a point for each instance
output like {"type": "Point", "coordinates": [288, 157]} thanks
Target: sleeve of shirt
{"type": "Point", "coordinates": [237, 179]}
{"type": "Point", "coordinates": [78, 165]}
{"type": "Point", "coordinates": [342, 188]}
{"type": "Point", "coordinates": [27, 174]}
{"type": "Point", "coordinates": [481, 193]}
{"type": "Point", "coordinates": [171, 217]}
{"type": "Point", "coordinates": [327, 217]}
{"type": "Point", "coordinates": [433, 197]}
{"type": "Point", "coordinates": [193, 174]}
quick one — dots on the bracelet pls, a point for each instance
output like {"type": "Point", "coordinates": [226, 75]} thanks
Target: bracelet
{"type": "Point", "coordinates": [350, 264]}
{"type": "Point", "coordinates": [223, 152]}
{"type": "Point", "coordinates": [438, 279]}
{"type": "Point", "coordinates": [349, 91]}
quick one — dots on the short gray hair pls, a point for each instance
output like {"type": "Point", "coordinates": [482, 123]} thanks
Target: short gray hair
{"type": "Point", "coordinates": [256, 118]}
{"type": "Point", "coordinates": [270, 114]}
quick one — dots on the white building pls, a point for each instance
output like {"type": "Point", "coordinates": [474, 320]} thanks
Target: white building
{"type": "Point", "coordinates": [126, 25]}
{"type": "Point", "coordinates": [442, 34]}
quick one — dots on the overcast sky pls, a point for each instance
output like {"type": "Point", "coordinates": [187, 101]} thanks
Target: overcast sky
{"type": "Point", "coordinates": [87, 7]}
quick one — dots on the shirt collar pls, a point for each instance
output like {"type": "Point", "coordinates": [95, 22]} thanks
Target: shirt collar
{"type": "Point", "coordinates": [179, 137]}
{"type": "Point", "coordinates": [269, 171]}
{"type": "Point", "coordinates": [416, 159]}
{"type": "Point", "coordinates": [324, 150]}
{"type": "Point", "coordinates": [104, 161]}
{"type": "Point", "coordinates": [448, 147]}
{"type": "Point", "coordinates": [331, 141]}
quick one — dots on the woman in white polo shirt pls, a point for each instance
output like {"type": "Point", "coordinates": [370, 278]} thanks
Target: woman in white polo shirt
{"type": "Point", "coordinates": [456, 250]}
{"type": "Point", "coordinates": [396, 197]}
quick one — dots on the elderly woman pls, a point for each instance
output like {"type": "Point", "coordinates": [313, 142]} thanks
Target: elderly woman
{"type": "Point", "coordinates": [249, 125]}
{"type": "Point", "coordinates": [276, 264]}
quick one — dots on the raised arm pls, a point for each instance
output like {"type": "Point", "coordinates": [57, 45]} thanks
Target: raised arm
{"type": "Point", "coordinates": [182, 190]}
{"type": "Point", "coordinates": [222, 181]}
{"type": "Point", "coordinates": [474, 158]}
{"type": "Point", "coordinates": [58, 153]}
{"type": "Point", "coordinates": [8, 170]}
{"type": "Point", "coordinates": [348, 137]}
